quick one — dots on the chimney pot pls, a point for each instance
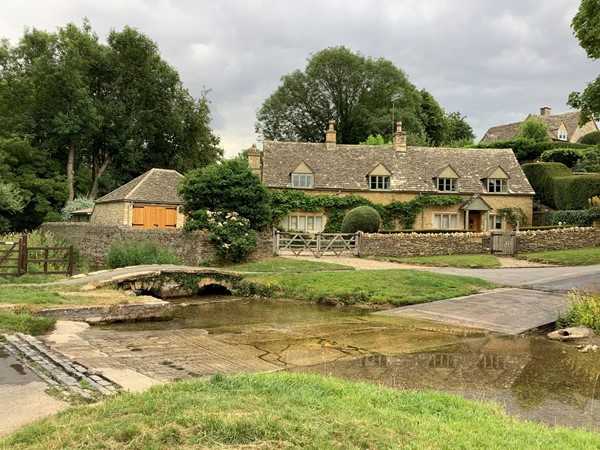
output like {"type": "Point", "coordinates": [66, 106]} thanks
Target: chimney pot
{"type": "Point", "coordinates": [545, 111]}
{"type": "Point", "coordinates": [399, 138]}
{"type": "Point", "coordinates": [330, 136]}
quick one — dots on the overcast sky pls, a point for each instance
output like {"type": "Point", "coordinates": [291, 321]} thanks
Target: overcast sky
{"type": "Point", "coordinates": [494, 61]}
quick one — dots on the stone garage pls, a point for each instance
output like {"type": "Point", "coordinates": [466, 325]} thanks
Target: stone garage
{"type": "Point", "coordinates": [148, 201]}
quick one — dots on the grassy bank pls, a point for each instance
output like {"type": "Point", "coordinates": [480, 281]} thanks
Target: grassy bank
{"type": "Point", "coordinates": [583, 309]}
{"type": "Point", "coordinates": [465, 261]}
{"type": "Point", "coordinates": [283, 410]}
{"type": "Point", "coordinates": [278, 264]}
{"type": "Point", "coordinates": [577, 257]}
{"type": "Point", "coordinates": [397, 287]}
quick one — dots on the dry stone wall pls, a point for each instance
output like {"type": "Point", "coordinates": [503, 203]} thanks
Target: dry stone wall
{"type": "Point", "coordinates": [93, 241]}
{"type": "Point", "coordinates": [557, 239]}
{"type": "Point", "coordinates": [422, 244]}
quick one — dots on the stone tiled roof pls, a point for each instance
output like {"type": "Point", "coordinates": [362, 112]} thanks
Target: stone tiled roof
{"type": "Point", "coordinates": [510, 130]}
{"type": "Point", "coordinates": [155, 186]}
{"type": "Point", "coordinates": [346, 167]}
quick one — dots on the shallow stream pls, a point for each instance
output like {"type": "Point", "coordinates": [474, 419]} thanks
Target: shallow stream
{"type": "Point", "coordinates": [530, 376]}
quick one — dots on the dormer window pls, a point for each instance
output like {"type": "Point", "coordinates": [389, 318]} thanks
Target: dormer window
{"type": "Point", "coordinates": [380, 179]}
{"type": "Point", "coordinates": [303, 180]}
{"type": "Point", "coordinates": [447, 180]}
{"type": "Point", "coordinates": [562, 135]}
{"type": "Point", "coordinates": [447, 184]}
{"type": "Point", "coordinates": [379, 182]}
{"type": "Point", "coordinates": [497, 185]}
{"type": "Point", "coordinates": [497, 182]}
{"type": "Point", "coordinates": [303, 177]}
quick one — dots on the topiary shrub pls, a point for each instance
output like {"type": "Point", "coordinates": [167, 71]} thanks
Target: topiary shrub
{"type": "Point", "coordinates": [566, 156]}
{"type": "Point", "coordinates": [577, 191]}
{"type": "Point", "coordinates": [542, 177]}
{"type": "Point", "coordinates": [362, 218]}
{"type": "Point", "coordinates": [592, 138]}
{"type": "Point", "coordinates": [579, 217]}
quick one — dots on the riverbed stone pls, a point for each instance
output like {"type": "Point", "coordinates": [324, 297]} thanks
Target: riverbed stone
{"type": "Point", "coordinates": [571, 334]}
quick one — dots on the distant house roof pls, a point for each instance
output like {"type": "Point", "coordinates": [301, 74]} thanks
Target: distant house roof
{"type": "Point", "coordinates": [155, 186]}
{"type": "Point", "coordinates": [347, 167]}
{"type": "Point", "coordinates": [510, 130]}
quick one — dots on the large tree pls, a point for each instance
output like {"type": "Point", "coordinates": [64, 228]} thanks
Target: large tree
{"type": "Point", "coordinates": [94, 106]}
{"type": "Point", "coordinates": [363, 95]}
{"type": "Point", "coordinates": [586, 27]}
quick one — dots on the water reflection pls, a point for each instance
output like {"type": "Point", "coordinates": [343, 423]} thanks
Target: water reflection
{"type": "Point", "coordinates": [530, 376]}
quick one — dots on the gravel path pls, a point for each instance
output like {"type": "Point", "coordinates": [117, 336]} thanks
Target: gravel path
{"type": "Point", "coordinates": [372, 264]}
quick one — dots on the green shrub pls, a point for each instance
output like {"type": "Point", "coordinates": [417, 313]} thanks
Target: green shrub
{"type": "Point", "coordinates": [583, 310]}
{"type": "Point", "coordinates": [232, 235]}
{"type": "Point", "coordinates": [592, 138]}
{"type": "Point", "coordinates": [362, 218]}
{"type": "Point", "coordinates": [541, 176]}
{"type": "Point", "coordinates": [590, 160]}
{"type": "Point", "coordinates": [77, 204]}
{"type": "Point", "coordinates": [138, 252]}
{"type": "Point", "coordinates": [575, 192]}
{"type": "Point", "coordinates": [566, 156]}
{"type": "Point", "coordinates": [579, 218]}
{"type": "Point", "coordinates": [528, 149]}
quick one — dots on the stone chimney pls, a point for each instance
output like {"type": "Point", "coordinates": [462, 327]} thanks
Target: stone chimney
{"type": "Point", "coordinates": [399, 138]}
{"type": "Point", "coordinates": [330, 136]}
{"type": "Point", "coordinates": [545, 111]}
{"type": "Point", "coordinates": [254, 161]}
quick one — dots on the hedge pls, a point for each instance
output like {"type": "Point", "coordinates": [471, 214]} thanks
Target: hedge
{"type": "Point", "coordinates": [541, 176]}
{"type": "Point", "coordinates": [579, 218]}
{"type": "Point", "coordinates": [528, 149]}
{"type": "Point", "coordinates": [592, 138]}
{"type": "Point", "coordinates": [574, 192]}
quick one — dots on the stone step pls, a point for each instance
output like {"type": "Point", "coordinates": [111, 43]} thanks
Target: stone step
{"type": "Point", "coordinates": [58, 370]}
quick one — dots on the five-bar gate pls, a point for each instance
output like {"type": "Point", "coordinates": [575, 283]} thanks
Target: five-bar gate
{"type": "Point", "coordinates": [318, 244]}
{"type": "Point", "coordinates": [17, 258]}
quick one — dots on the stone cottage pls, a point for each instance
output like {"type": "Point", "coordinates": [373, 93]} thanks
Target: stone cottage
{"type": "Point", "coordinates": [486, 179]}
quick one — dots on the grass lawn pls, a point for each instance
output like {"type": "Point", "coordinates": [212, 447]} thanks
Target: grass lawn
{"type": "Point", "coordinates": [278, 264]}
{"type": "Point", "coordinates": [466, 261]}
{"type": "Point", "coordinates": [30, 279]}
{"type": "Point", "coordinates": [283, 410]}
{"type": "Point", "coordinates": [577, 257]}
{"type": "Point", "coordinates": [398, 287]}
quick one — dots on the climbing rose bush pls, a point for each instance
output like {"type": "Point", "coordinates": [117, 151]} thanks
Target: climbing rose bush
{"type": "Point", "coordinates": [232, 236]}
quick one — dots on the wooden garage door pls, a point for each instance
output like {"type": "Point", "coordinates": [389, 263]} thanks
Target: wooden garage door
{"type": "Point", "coordinates": [145, 216]}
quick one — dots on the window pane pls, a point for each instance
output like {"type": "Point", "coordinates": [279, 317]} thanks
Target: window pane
{"type": "Point", "coordinates": [310, 223]}
{"type": "Point", "coordinates": [302, 223]}
{"type": "Point", "coordinates": [453, 223]}
{"type": "Point", "coordinates": [294, 222]}
{"type": "Point", "coordinates": [437, 221]}
{"type": "Point", "coordinates": [445, 221]}
{"type": "Point", "coordinates": [318, 223]}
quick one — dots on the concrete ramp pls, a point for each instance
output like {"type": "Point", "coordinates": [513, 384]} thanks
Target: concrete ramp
{"type": "Point", "coordinates": [508, 311]}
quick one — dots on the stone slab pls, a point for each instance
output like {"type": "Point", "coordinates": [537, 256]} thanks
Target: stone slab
{"type": "Point", "coordinates": [509, 311]}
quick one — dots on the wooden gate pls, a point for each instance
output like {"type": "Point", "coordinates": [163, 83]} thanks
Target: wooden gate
{"type": "Point", "coordinates": [11, 258]}
{"type": "Point", "coordinates": [16, 257]}
{"type": "Point", "coordinates": [318, 244]}
{"type": "Point", "coordinates": [504, 243]}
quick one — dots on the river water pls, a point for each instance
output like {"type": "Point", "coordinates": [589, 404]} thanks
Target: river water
{"type": "Point", "coordinates": [531, 377]}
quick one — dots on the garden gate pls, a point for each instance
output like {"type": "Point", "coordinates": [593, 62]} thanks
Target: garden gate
{"type": "Point", "coordinates": [16, 256]}
{"type": "Point", "coordinates": [504, 243]}
{"type": "Point", "coordinates": [318, 244]}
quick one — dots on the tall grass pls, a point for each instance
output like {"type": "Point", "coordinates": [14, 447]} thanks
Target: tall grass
{"type": "Point", "coordinates": [138, 252]}
{"type": "Point", "coordinates": [583, 310]}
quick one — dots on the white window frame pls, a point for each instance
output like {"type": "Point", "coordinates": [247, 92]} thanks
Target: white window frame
{"type": "Point", "coordinates": [314, 223]}
{"type": "Point", "coordinates": [380, 182]}
{"type": "Point", "coordinates": [447, 184]}
{"type": "Point", "coordinates": [303, 180]}
{"type": "Point", "coordinates": [495, 222]}
{"type": "Point", "coordinates": [563, 135]}
{"type": "Point", "coordinates": [445, 221]}
{"type": "Point", "coordinates": [497, 185]}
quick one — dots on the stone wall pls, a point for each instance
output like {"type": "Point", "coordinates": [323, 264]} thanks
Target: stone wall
{"type": "Point", "coordinates": [424, 244]}
{"type": "Point", "coordinates": [93, 241]}
{"type": "Point", "coordinates": [557, 239]}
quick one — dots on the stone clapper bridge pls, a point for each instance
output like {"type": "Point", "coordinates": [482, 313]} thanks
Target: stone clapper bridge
{"type": "Point", "coordinates": [156, 282]}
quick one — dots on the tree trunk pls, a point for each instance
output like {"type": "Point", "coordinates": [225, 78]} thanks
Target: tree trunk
{"type": "Point", "coordinates": [71, 171]}
{"type": "Point", "coordinates": [98, 173]}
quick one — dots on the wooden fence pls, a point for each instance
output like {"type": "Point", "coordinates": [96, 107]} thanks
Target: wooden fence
{"type": "Point", "coordinates": [16, 258]}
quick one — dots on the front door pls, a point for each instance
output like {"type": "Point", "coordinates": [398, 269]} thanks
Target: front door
{"type": "Point", "coordinates": [474, 220]}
